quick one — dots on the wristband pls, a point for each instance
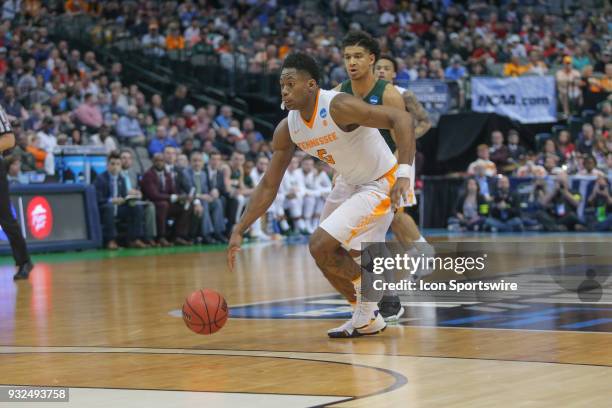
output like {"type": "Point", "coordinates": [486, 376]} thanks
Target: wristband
{"type": "Point", "coordinates": [173, 198]}
{"type": "Point", "coordinates": [404, 171]}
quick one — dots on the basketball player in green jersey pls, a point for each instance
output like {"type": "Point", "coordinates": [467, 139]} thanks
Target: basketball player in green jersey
{"type": "Point", "coordinates": [361, 52]}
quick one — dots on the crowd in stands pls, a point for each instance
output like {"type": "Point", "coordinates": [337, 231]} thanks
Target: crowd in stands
{"type": "Point", "coordinates": [205, 162]}
{"type": "Point", "coordinates": [544, 198]}
{"type": "Point", "coordinates": [450, 40]}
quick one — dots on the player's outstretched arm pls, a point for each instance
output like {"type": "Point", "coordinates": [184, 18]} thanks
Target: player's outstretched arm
{"type": "Point", "coordinates": [423, 124]}
{"type": "Point", "coordinates": [264, 194]}
{"type": "Point", "coordinates": [347, 110]}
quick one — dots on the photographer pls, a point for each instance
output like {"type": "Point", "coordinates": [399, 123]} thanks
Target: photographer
{"type": "Point", "coordinates": [559, 207]}
{"type": "Point", "coordinates": [505, 209]}
{"type": "Point", "coordinates": [599, 206]}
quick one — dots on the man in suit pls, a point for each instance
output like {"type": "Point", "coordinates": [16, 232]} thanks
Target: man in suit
{"type": "Point", "coordinates": [132, 179]}
{"type": "Point", "coordinates": [111, 191]}
{"type": "Point", "coordinates": [205, 205]}
{"type": "Point", "coordinates": [158, 186]}
{"type": "Point", "coordinates": [216, 174]}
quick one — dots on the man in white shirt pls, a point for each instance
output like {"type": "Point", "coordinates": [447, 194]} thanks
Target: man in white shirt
{"type": "Point", "coordinates": [317, 186]}
{"type": "Point", "coordinates": [293, 189]}
{"type": "Point", "coordinates": [48, 143]}
{"type": "Point", "coordinates": [483, 161]}
{"type": "Point", "coordinates": [256, 175]}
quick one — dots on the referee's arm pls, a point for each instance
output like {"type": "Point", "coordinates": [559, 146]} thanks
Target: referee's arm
{"type": "Point", "coordinates": [7, 138]}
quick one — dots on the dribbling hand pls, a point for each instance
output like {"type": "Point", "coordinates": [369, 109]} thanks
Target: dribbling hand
{"type": "Point", "coordinates": [232, 248]}
{"type": "Point", "coordinates": [400, 189]}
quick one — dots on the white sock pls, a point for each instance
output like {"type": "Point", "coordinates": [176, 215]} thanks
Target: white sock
{"type": "Point", "coordinates": [301, 226]}
{"type": "Point", "coordinates": [421, 239]}
{"type": "Point", "coordinates": [284, 225]}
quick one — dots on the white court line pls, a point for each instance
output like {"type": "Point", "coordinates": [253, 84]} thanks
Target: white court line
{"type": "Point", "coordinates": [134, 398]}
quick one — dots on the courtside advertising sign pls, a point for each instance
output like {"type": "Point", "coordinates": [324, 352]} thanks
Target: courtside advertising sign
{"type": "Point", "coordinates": [530, 99]}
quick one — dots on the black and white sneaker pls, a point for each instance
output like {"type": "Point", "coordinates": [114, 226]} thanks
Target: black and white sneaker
{"type": "Point", "coordinates": [391, 308]}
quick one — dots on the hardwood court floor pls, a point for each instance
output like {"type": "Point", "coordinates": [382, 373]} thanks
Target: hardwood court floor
{"type": "Point", "coordinates": [107, 326]}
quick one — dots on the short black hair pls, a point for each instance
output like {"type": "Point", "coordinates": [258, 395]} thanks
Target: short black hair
{"type": "Point", "coordinates": [303, 62]}
{"type": "Point", "coordinates": [389, 57]}
{"type": "Point", "coordinates": [114, 155]}
{"type": "Point", "coordinates": [362, 39]}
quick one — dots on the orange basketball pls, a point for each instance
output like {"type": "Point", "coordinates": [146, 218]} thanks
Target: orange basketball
{"type": "Point", "coordinates": [205, 311]}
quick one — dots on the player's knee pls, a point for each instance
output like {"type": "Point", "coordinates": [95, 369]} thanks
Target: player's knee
{"type": "Point", "coordinates": [319, 246]}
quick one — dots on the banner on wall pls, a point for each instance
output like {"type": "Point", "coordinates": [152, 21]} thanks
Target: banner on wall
{"type": "Point", "coordinates": [433, 94]}
{"type": "Point", "coordinates": [529, 99]}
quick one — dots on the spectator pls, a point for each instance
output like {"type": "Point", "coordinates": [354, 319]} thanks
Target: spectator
{"type": "Point", "coordinates": [114, 204]}
{"type": "Point", "coordinates": [177, 102]}
{"type": "Point", "coordinates": [14, 174]}
{"type": "Point", "coordinates": [560, 205]}
{"type": "Point", "coordinates": [568, 80]}
{"type": "Point", "coordinates": [587, 139]}
{"type": "Point", "coordinates": [515, 150]}
{"type": "Point", "coordinates": [590, 167]}
{"type": "Point", "coordinates": [238, 189]}
{"type": "Point", "coordinates": [174, 39]}
{"type": "Point", "coordinates": [536, 65]}
{"type": "Point", "coordinates": [40, 155]}
{"type": "Point", "coordinates": [225, 118]}
{"type": "Point", "coordinates": [565, 144]}
{"type": "Point", "coordinates": [515, 68]}
{"type": "Point", "coordinates": [103, 138]}
{"type": "Point", "coordinates": [156, 107]}
{"type": "Point", "coordinates": [153, 42]}
{"type": "Point", "coordinates": [470, 210]}
{"type": "Point", "coordinates": [89, 113]}
{"type": "Point", "coordinates": [158, 187]}
{"type": "Point", "coordinates": [498, 152]}
{"type": "Point", "coordinates": [207, 202]}
{"type": "Point", "coordinates": [456, 71]}
{"type": "Point", "coordinates": [28, 163]}
{"type": "Point", "coordinates": [161, 140]}
{"type": "Point", "coordinates": [505, 209]}
{"type": "Point", "coordinates": [550, 148]}
{"type": "Point", "coordinates": [599, 205]}
{"type": "Point", "coordinates": [483, 161]}
{"type": "Point", "coordinates": [128, 129]}
{"type": "Point", "coordinates": [131, 177]}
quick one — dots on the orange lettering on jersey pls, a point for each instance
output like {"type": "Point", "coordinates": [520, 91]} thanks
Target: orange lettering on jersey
{"type": "Point", "coordinates": [317, 141]}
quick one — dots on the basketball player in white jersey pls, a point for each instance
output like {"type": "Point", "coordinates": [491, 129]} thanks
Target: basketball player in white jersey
{"type": "Point", "coordinates": [343, 131]}
{"type": "Point", "coordinates": [293, 190]}
{"type": "Point", "coordinates": [317, 186]}
{"type": "Point", "coordinates": [361, 52]}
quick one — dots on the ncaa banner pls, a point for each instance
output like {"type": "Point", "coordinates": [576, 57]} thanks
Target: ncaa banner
{"type": "Point", "coordinates": [433, 94]}
{"type": "Point", "coordinates": [529, 99]}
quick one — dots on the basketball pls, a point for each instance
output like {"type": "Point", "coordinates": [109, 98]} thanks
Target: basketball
{"type": "Point", "coordinates": [205, 311]}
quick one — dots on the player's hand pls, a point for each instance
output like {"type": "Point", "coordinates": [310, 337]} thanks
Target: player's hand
{"type": "Point", "coordinates": [400, 189]}
{"type": "Point", "coordinates": [232, 248]}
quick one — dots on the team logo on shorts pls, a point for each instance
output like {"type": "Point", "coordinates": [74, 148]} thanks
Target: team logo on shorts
{"type": "Point", "coordinates": [373, 99]}
{"type": "Point", "coordinates": [323, 113]}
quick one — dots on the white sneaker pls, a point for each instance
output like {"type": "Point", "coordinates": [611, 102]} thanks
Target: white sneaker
{"type": "Point", "coordinates": [365, 312]}
{"type": "Point", "coordinates": [347, 330]}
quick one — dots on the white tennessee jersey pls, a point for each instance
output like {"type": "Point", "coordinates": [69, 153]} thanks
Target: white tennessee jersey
{"type": "Point", "coordinates": [360, 156]}
{"type": "Point", "coordinates": [400, 89]}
